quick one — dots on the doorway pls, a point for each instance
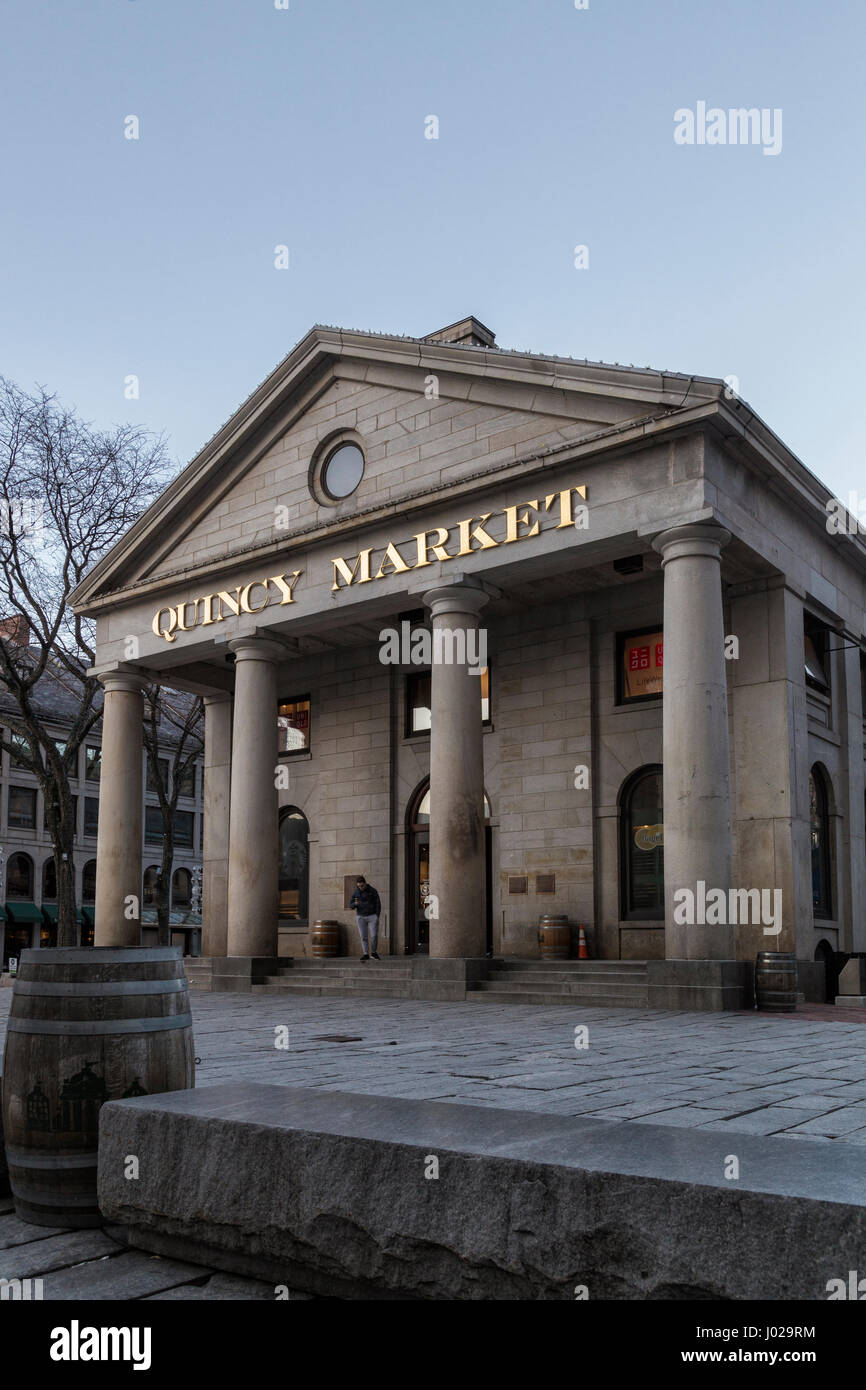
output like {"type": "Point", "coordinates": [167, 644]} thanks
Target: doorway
{"type": "Point", "coordinates": [418, 874]}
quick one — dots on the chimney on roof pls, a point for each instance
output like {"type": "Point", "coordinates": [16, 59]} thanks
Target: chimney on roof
{"type": "Point", "coordinates": [16, 629]}
{"type": "Point", "coordinates": [469, 332]}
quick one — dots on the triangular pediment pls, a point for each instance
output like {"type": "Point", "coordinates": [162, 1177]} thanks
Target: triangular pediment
{"type": "Point", "coordinates": [428, 415]}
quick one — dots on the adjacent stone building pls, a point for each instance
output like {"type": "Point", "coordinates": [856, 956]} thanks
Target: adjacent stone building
{"type": "Point", "coordinates": [609, 533]}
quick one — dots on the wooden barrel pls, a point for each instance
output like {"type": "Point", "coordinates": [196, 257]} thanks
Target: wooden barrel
{"type": "Point", "coordinates": [554, 937]}
{"type": "Point", "coordinates": [776, 981]}
{"type": "Point", "coordinates": [86, 1025]}
{"type": "Point", "coordinates": [326, 939]}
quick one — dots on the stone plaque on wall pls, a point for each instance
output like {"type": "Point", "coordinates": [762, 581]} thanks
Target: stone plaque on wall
{"type": "Point", "coordinates": [545, 883]}
{"type": "Point", "coordinates": [516, 885]}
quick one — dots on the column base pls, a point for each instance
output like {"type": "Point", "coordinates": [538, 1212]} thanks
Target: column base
{"type": "Point", "coordinates": [238, 974]}
{"type": "Point", "coordinates": [703, 985]}
{"type": "Point", "coordinates": [446, 977]}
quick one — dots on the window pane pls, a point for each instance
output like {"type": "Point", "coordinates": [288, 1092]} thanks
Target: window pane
{"type": "Point", "coordinates": [644, 848]}
{"type": "Point", "coordinates": [186, 781]}
{"type": "Point", "coordinates": [22, 808]}
{"type": "Point", "coordinates": [163, 772]}
{"type": "Point", "coordinates": [485, 695]}
{"type": "Point", "coordinates": [418, 699]}
{"type": "Point", "coordinates": [92, 764]}
{"type": "Point", "coordinates": [88, 882]}
{"type": "Point", "coordinates": [181, 888]}
{"type": "Point", "coordinates": [343, 471]}
{"type": "Point", "coordinates": [49, 881]}
{"type": "Point", "coordinates": [153, 827]}
{"type": "Point", "coordinates": [19, 878]}
{"type": "Point", "coordinates": [18, 741]}
{"type": "Point", "coordinates": [293, 725]}
{"type": "Point", "coordinates": [91, 815]}
{"type": "Point", "coordinates": [183, 828]}
{"type": "Point", "coordinates": [294, 865]}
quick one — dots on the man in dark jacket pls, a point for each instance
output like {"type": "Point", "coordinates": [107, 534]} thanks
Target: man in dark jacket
{"type": "Point", "coordinates": [365, 901]}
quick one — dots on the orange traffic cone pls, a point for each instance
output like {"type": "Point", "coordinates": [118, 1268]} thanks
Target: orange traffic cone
{"type": "Point", "coordinates": [582, 952]}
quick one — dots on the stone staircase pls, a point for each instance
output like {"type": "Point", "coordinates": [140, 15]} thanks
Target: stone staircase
{"type": "Point", "coordinates": [603, 983]}
{"type": "Point", "coordinates": [345, 976]}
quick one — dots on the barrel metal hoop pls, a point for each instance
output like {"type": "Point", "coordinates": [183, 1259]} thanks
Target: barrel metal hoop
{"type": "Point", "coordinates": [21, 1158]}
{"type": "Point", "coordinates": [83, 989]}
{"type": "Point", "coordinates": [100, 955]}
{"type": "Point", "coordinates": [79, 1027]}
{"type": "Point", "coordinates": [43, 1197]}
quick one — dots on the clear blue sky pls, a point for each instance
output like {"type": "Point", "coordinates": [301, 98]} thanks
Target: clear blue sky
{"type": "Point", "coordinates": [306, 127]}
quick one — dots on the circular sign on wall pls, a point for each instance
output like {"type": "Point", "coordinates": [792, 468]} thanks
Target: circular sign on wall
{"type": "Point", "coordinates": [649, 836]}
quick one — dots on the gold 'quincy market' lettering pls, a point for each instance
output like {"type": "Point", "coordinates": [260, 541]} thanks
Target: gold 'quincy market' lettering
{"type": "Point", "coordinates": [227, 603]}
{"type": "Point", "coordinates": [469, 535]}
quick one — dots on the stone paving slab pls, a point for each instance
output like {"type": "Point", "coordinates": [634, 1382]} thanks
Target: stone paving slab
{"type": "Point", "coordinates": [679, 1068]}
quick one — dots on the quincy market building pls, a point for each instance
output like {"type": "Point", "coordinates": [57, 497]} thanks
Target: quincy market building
{"type": "Point", "coordinates": [670, 706]}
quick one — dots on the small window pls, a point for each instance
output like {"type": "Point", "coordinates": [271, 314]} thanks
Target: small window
{"type": "Point", "coordinates": [19, 741]}
{"type": "Point", "coordinates": [642, 862]}
{"type": "Point", "coordinates": [151, 875]}
{"type": "Point", "coordinates": [22, 808]}
{"type": "Point", "coordinates": [153, 826]}
{"type": "Point", "coordinates": [419, 696]}
{"type": "Point", "coordinates": [183, 829]}
{"type": "Point", "coordinates": [92, 764]}
{"type": "Point", "coordinates": [91, 815]}
{"type": "Point", "coordinates": [342, 471]}
{"type": "Point", "coordinates": [418, 702]}
{"type": "Point", "coordinates": [639, 665]}
{"type": "Point", "coordinates": [163, 773]}
{"type": "Point", "coordinates": [819, 823]}
{"type": "Point", "coordinates": [19, 877]}
{"type": "Point", "coordinates": [186, 781]}
{"type": "Point", "coordinates": [816, 649]}
{"type": "Point", "coordinates": [293, 725]}
{"type": "Point", "coordinates": [181, 888]}
{"type": "Point", "coordinates": [88, 882]}
{"type": "Point", "coordinates": [49, 881]}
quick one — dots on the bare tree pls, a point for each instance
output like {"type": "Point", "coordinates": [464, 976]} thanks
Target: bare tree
{"type": "Point", "coordinates": [173, 737]}
{"type": "Point", "coordinates": [68, 492]}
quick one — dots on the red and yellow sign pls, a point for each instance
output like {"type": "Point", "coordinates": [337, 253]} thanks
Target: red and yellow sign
{"type": "Point", "coordinates": [642, 659]}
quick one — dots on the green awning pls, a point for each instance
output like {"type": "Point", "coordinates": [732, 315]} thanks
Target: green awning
{"type": "Point", "coordinates": [86, 915]}
{"type": "Point", "coordinates": [52, 912]}
{"type": "Point", "coordinates": [22, 912]}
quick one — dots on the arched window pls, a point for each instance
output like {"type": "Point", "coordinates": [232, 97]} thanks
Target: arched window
{"type": "Point", "coordinates": [88, 882]}
{"type": "Point", "coordinates": [49, 881]}
{"type": "Point", "coordinates": [181, 888]}
{"type": "Point", "coordinates": [19, 877]}
{"type": "Point", "coordinates": [642, 856]}
{"type": "Point", "coordinates": [150, 877]}
{"type": "Point", "coordinates": [819, 827]}
{"type": "Point", "coordinates": [294, 864]}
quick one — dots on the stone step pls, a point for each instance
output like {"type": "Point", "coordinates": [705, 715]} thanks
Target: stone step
{"type": "Point", "coordinates": [540, 979]}
{"type": "Point", "coordinates": [383, 989]}
{"type": "Point", "coordinates": [585, 966]}
{"type": "Point", "coordinates": [592, 999]}
{"type": "Point", "coordinates": [563, 986]}
{"type": "Point", "coordinates": [351, 972]}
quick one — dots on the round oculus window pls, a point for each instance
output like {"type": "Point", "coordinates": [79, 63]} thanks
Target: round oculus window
{"type": "Point", "coordinates": [342, 471]}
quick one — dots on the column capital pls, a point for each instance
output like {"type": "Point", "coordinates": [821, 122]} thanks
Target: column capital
{"type": "Point", "coordinates": [133, 681]}
{"type": "Point", "coordinates": [257, 649]}
{"type": "Point", "coordinates": [466, 599]}
{"type": "Point", "coordinates": [700, 538]}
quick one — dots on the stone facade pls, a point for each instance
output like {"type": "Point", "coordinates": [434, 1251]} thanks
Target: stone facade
{"type": "Point", "coordinates": [558, 505]}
